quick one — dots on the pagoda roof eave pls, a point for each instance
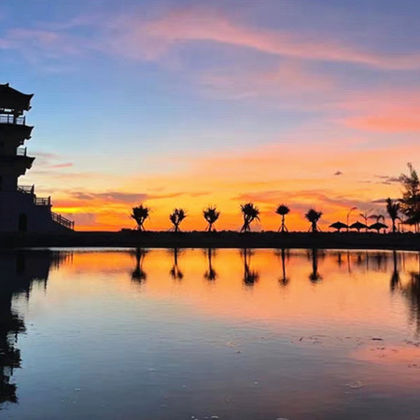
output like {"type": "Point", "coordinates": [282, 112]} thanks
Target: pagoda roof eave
{"type": "Point", "coordinates": [13, 99]}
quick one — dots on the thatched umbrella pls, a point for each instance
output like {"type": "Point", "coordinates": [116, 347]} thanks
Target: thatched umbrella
{"type": "Point", "coordinates": [378, 226]}
{"type": "Point", "coordinates": [358, 226]}
{"type": "Point", "coordinates": [338, 226]}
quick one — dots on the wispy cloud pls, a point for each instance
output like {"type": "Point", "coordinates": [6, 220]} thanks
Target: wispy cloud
{"type": "Point", "coordinates": [138, 37]}
{"type": "Point", "coordinates": [203, 24]}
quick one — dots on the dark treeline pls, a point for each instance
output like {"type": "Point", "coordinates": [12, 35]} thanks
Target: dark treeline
{"type": "Point", "coordinates": [403, 211]}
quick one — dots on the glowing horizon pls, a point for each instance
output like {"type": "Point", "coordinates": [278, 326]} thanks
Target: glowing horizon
{"type": "Point", "coordinates": [189, 104]}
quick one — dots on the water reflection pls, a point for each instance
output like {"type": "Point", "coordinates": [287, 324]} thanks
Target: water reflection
{"type": "Point", "coordinates": [228, 350]}
{"type": "Point", "coordinates": [175, 271]}
{"type": "Point", "coordinates": [284, 280]}
{"type": "Point", "coordinates": [410, 289]}
{"type": "Point", "coordinates": [315, 254]}
{"type": "Point", "coordinates": [250, 277]}
{"type": "Point", "coordinates": [139, 274]}
{"type": "Point", "coordinates": [395, 277]}
{"type": "Point", "coordinates": [18, 272]}
{"type": "Point", "coordinates": [210, 274]}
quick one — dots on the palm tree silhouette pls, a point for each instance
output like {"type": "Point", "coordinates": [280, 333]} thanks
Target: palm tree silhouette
{"type": "Point", "coordinates": [176, 217]}
{"type": "Point", "coordinates": [140, 214]}
{"type": "Point", "coordinates": [393, 209]}
{"type": "Point", "coordinates": [377, 217]}
{"type": "Point", "coordinates": [313, 217]}
{"type": "Point", "coordinates": [211, 215]}
{"type": "Point", "coordinates": [210, 274]}
{"type": "Point", "coordinates": [377, 225]}
{"type": "Point", "coordinates": [283, 210]}
{"type": "Point", "coordinates": [138, 273]}
{"type": "Point", "coordinates": [250, 212]}
{"type": "Point", "coordinates": [410, 201]}
{"type": "Point", "coordinates": [365, 217]}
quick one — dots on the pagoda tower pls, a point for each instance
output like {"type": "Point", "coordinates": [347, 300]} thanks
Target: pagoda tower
{"type": "Point", "coordinates": [20, 209]}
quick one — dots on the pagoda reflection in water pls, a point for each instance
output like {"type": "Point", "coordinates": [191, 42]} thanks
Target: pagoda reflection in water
{"type": "Point", "coordinates": [19, 270]}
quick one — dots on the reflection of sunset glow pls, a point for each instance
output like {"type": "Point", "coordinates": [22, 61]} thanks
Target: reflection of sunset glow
{"type": "Point", "coordinates": [355, 302]}
{"type": "Point", "coordinates": [264, 323]}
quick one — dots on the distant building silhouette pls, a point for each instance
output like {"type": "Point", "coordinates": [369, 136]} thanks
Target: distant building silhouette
{"type": "Point", "coordinates": [20, 209]}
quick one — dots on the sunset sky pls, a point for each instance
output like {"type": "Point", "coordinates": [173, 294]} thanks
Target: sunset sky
{"type": "Point", "coordinates": [314, 103]}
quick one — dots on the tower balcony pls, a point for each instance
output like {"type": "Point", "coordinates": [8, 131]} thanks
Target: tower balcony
{"type": "Point", "coordinates": [14, 128]}
{"type": "Point", "coordinates": [42, 201]}
{"type": "Point", "coordinates": [26, 189]}
{"type": "Point", "coordinates": [12, 119]}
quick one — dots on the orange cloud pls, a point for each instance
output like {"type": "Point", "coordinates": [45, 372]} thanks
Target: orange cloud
{"type": "Point", "coordinates": [301, 175]}
{"type": "Point", "coordinates": [395, 122]}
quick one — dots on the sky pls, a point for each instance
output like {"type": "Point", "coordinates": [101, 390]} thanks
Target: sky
{"type": "Point", "coordinates": [190, 103]}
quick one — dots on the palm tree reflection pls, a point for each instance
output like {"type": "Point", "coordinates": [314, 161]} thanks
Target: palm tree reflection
{"type": "Point", "coordinates": [175, 271]}
{"type": "Point", "coordinates": [395, 276]}
{"type": "Point", "coordinates": [210, 274]}
{"type": "Point", "coordinates": [284, 280]}
{"type": "Point", "coordinates": [250, 277]}
{"type": "Point", "coordinates": [138, 274]}
{"type": "Point", "coordinates": [339, 258]}
{"type": "Point", "coordinates": [411, 290]}
{"type": "Point", "coordinates": [314, 277]}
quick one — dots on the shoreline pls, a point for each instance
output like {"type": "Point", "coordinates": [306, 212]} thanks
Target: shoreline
{"type": "Point", "coordinates": [223, 239]}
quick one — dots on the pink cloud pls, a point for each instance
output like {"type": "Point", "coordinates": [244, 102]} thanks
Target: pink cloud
{"type": "Point", "coordinates": [61, 165]}
{"type": "Point", "coordinates": [194, 24]}
{"type": "Point", "coordinates": [150, 38]}
{"type": "Point", "coordinates": [289, 78]}
{"type": "Point", "coordinates": [388, 111]}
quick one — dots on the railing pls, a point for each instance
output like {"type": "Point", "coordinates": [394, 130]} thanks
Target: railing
{"type": "Point", "coordinates": [26, 189]}
{"type": "Point", "coordinates": [11, 119]}
{"type": "Point", "coordinates": [21, 151]}
{"type": "Point", "coordinates": [62, 221]}
{"type": "Point", "coordinates": [42, 201]}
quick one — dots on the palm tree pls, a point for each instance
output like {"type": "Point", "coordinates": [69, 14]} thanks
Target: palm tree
{"type": "Point", "coordinates": [365, 217]}
{"type": "Point", "coordinates": [282, 210]}
{"type": "Point", "coordinates": [140, 214]}
{"type": "Point", "coordinates": [211, 215]}
{"type": "Point", "coordinates": [250, 212]}
{"type": "Point", "coordinates": [176, 217]}
{"type": "Point", "coordinates": [410, 201]}
{"type": "Point", "coordinates": [393, 209]}
{"type": "Point", "coordinates": [377, 217]}
{"type": "Point", "coordinates": [313, 217]}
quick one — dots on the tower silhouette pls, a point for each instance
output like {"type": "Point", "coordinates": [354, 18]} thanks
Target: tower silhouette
{"type": "Point", "coordinates": [20, 209]}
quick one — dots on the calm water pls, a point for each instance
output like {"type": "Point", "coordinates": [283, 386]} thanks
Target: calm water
{"type": "Point", "coordinates": [228, 334]}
